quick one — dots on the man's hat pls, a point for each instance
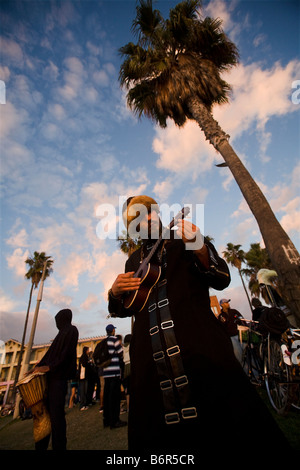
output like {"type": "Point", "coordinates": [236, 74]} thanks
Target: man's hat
{"type": "Point", "coordinates": [224, 301]}
{"type": "Point", "coordinates": [146, 201]}
{"type": "Point", "coordinates": [110, 328]}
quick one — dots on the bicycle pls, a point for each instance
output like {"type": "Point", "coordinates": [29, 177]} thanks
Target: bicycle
{"type": "Point", "coordinates": [267, 361]}
{"type": "Point", "coordinates": [282, 373]}
{"type": "Point", "coordinates": [252, 358]}
{"type": "Point", "coordinates": [277, 377]}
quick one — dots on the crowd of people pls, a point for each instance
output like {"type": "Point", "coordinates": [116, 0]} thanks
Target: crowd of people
{"type": "Point", "coordinates": [106, 386]}
{"type": "Point", "coordinates": [83, 384]}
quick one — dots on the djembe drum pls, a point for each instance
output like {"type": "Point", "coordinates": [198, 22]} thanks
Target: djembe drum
{"type": "Point", "coordinates": [33, 390]}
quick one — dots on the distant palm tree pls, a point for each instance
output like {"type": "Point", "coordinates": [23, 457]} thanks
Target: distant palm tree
{"type": "Point", "coordinates": [235, 256]}
{"type": "Point", "coordinates": [127, 244]}
{"type": "Point", "coordinates": [257, 258]}
{"type": "Point", "coordinates": [174, 71]}
{"type": "Point", "coordinates": [36, 265]}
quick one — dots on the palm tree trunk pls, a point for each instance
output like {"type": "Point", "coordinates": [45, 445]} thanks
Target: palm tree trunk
{"type": "Point", "coordinates": [283, 254]}
{"type": "Point", "coordinates": [22, 345]}
{"type": "Point", "coordinates": [245, 289]}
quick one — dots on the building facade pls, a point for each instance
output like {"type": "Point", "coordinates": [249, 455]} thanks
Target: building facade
{"type": "Point", "coordinates": [9, 357]}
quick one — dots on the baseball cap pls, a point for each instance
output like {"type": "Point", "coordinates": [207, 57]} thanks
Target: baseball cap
{"type": "Point", "coordinates": [110, 327]}
{"type": "Point", "coordinates": [223, 301]}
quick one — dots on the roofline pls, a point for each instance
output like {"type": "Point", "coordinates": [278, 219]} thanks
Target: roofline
{"type": "Point", "coordinates": [80, 340]}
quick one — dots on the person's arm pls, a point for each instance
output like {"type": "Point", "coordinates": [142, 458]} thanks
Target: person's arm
{"type": "Point", "coordinates": [123, 283]}
{"type": "Point", "coordinates": [194, 240]}
{"type": "Point", "coordinates": [70, 342]}
{"type": "Point", "coordinates": [217, 275]}
{"type": "Point", "coordinates": [207, 259]}
{"type": "Point", "coordinates": [41, 369]}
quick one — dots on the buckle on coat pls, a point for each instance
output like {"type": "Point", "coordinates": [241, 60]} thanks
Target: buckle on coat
{"type": "Point", "coordinates": [165, 384]}
{"type": "Point", "coordinates": [152, 307]}
{"type": "Point", "coordinates": [154, 330]}
{"type": "Point", "coordinates": [180, 381]}
{"type": "Point", "coordinates": [188, 413]}
{"type": "Point", "coordinates": [157, 356]}
{"type": "Point", "coordinates": [163, 303]}
{"type": "Point", "coordinates": [167, 324]}
{"type": "Point", "coordinates": [173, 350]}
{"type": "Point", "coordinates": [172, 418]}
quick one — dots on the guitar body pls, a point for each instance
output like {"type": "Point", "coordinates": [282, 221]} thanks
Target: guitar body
{"type": "Point", "coordinates": [149, 274]}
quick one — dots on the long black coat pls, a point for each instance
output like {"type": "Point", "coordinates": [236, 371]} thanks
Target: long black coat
{"type": "Point", "coordinates": [61, 356]}
{"type": "Point", "coordinates": [225, 400]}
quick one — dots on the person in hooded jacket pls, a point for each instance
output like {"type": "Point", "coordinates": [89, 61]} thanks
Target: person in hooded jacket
{"type": "Point", "coordinates": [59, 363]}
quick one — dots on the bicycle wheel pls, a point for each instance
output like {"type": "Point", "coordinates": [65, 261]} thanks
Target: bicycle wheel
{"type": "Point", "coordinates": [251, 365]}
{"type": "Point", "coordinates": [296, 397]}
{"type": "Point", "coordinates": [277, 378]}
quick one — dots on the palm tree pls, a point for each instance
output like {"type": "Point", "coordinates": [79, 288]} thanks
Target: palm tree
{"type": "Point", "coordinates": [127, 244]}
{"type": "Point", "coordinates": [257, 258]}
{"type": "Point", "coordinates": [174, 71]}
{"type": "Point", "coordinates": [235, 256]}
{"type": "Point", "coordinates": [36, 265]}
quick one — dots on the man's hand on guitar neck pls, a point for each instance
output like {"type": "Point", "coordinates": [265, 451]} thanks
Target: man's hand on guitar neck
{"type": "Point", "coordinates": [125, 283]}
{"type": "Point", "coordinates": [190, 233]}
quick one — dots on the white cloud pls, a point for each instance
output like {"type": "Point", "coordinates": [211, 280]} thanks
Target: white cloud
{"type": "Point", "coordinates": [163, 189]}
{"type": "Point", "coordinates": [57, 111]}
{"type": "Point", "coordinates": [258, 95]}
{"type": "Point", "coordinates": [4, 73]}
{"type": "Point", "coordinates": [73, 267]}
{"type": "Point", "coordinates": [12, 118]}
{"type": "Point", "coordinates": [183, 150]}
{"type": "Point", "coordinates": [11, 50]}
{"type": "Point", "coordinates": [105, 269]}
{"type": "Point", "coordinates": [284, 200]}
{"type": "Point", "coordinates": [222, 9]}
{"type": "Point", "coordinates": [19, 239]}
{"type": "Point", "coordinates": [282, 193]}
{"type": "Point", "coordinates": [291, 221]}
{"type": "Point", "coordinates": [7, 304]}
{"type": "Point", "coordinates": [259, 39]}
{"type": "Point", "coordinates": [51, 71]}
{"type": "Point", "coordinates": [54, 293]}
{"type": "Point", "coordinates": [16, 261]}
{"type": "Point", "coordinates": [101, 78]}
{"type": "Point", "coordinates": [91, 301]}
{"type": "Point", "coordinates": [53, 236]}
{"type": "Point", "coordinates": [219, 9]}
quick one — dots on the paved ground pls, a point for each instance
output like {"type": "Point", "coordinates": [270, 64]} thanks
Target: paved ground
{"type": "Point", "coordinates": [85, 431]}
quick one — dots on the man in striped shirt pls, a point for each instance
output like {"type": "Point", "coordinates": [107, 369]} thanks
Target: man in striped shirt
{"type": "Point", "coordinates": [112, 382]}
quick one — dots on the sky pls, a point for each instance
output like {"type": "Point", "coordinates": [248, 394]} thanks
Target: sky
{"type": "Point", "coordinates": [70, 148]}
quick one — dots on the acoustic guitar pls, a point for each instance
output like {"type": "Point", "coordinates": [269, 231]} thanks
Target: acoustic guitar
{"type": "Point", "coordinates": [149, 272]}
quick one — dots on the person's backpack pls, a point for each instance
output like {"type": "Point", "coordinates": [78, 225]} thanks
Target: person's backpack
{"type": "Point", "coordinates": [101, 355]}
{"type": "Point", "coordinates": [273, 320]}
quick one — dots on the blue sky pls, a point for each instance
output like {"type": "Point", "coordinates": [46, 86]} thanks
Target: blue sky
{"type": "Point", "coordinates": [69, 144]}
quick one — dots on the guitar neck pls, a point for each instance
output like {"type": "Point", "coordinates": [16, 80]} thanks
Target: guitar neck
{"type": "Point", "coordinates": [183, 213]}
{"type": "Point", "coordinates": [153, 250]}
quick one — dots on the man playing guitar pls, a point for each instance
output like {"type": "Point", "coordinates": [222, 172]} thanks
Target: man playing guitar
{"type": "Point", "coordinates": [188, 391]}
